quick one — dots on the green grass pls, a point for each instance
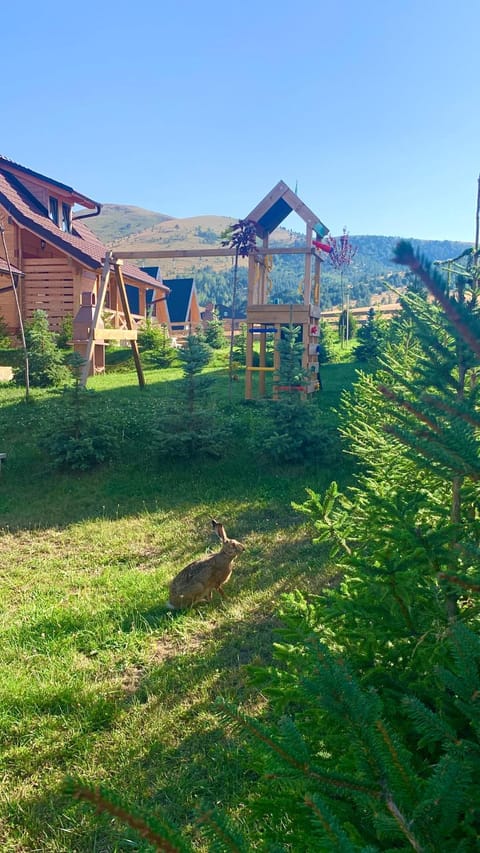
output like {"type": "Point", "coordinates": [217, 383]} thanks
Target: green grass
{"type": "Point", "coordinates": [97, 679]}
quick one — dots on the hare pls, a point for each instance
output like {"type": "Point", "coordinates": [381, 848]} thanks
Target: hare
{"type": "Point", "coordinates": [198, 580]}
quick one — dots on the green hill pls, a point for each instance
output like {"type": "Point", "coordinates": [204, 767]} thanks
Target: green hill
{"type": "Point", "coordinates": [118, 221]}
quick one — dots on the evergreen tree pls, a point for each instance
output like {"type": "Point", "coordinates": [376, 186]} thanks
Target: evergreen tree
{"type": "Point", "coordinates": [372, 338]}
{"type": "Point", "coordinates": [240, 345]}
{"type": "Point", "coordinates": [157, 343]}
{"type": "Point", "coordinates": [195, 426]}
{"type": "Point", "coordinates": [46, 362]}
{"type": "Point", "coordinates": [81, 439]}
{"type": "Point", "coordinates": [326, 343]}
{"type": "Point", "coordinates": [193, 356]}
{"type": "Point", "coordinates": [291, 373]}
{"type": "Point", "coordinates": [215, 333]}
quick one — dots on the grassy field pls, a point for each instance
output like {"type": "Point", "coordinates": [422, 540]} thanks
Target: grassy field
{"type": "Point", "coordinates": [97, 679]}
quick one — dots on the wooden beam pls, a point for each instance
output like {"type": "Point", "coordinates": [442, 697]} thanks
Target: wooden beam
{"type": "Point", "coordinates": [115, 334]}
{"type": "Point", "coordinates": [211, 253]}
{"type": "Point", "coordinates": [128, 319]}
{"type": "Point", "coordinates": [174, 253]}
{"type": "Point", "coordinates": [96, 317]}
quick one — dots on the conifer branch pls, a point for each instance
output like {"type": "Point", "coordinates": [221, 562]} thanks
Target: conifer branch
{"type": "Point", "coordinates": [462, 582]}
{"type": "Point", "coordinates": [402, 823]}
{"type": "Point", "coordinates": [405, 256]}
{"type": "Point", "coordinates": [328, 823]}
{"type": "Point", "coordinates": [405, 404]}
{"type": "Point", "coordinates": [393, 751]}
{"type": "Point", "coordinates": [220, 830]}
{"type": "Point", "coordinates": [336, 782]}
{"type": "Point", "coordinates": [455, 411]}
{"type": "Point", "coordinates": [103, 804]}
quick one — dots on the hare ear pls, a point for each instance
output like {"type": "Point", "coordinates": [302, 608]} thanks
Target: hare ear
{"type": "Point", "coordinates": [219, 530]}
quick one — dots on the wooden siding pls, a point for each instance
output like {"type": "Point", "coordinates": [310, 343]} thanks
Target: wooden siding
{"type": "Point", "coordinates": [48, 286]}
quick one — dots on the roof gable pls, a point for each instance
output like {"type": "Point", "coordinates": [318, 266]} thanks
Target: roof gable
{"type": "Point", "coordinates": [13, 168]}
{"type": "Point", "coordinates": [277, 205]}
{"type": "Point", "coordinates": [180, 298]}
{"type": "Point", "coordinates": [81, 244]}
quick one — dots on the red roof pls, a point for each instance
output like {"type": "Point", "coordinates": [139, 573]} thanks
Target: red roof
{"type": "Point", "coordinates": [4, 268]}
{"type": "Point", "coordinates": [81, 244]}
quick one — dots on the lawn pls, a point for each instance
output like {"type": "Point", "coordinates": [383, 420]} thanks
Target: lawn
{"type": "Point", "coordinates": [97, 679]}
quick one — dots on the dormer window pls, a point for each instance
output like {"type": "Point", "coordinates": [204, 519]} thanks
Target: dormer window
{"type": "Point", "coordinates": [53, 209]}
{"type": "Point", "coordinates": [66, 218]}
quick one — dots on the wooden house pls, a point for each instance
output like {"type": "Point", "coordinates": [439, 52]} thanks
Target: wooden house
{"type": "Point", "coordinates": [182, 305]}
{"type": "Point", "coordinates": [55, 260]}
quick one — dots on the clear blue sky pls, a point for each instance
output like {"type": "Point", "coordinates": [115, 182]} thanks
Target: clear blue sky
{"type": "Point", "coordinates": [193, 107]}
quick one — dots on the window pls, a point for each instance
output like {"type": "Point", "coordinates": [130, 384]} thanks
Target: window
{"type": "Point", "coordinates": [66, 218]}
{"type": "Point", "coordinates": [53, 209]}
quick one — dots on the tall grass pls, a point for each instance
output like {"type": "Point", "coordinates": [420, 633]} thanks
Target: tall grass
{"type": "Point", "coordinates": [97, 679]}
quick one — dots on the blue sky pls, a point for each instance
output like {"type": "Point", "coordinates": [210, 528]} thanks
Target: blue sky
{"type": "Point", "coordinates": [193, 108]}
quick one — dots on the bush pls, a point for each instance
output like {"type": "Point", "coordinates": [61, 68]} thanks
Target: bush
{"type": "Point", "coordinates": [65, 336]}
{"type": "Point", "coordinates": [5, 337]}
{"type": "Point", "coordinates": [203, 433]}
{"type": "Point", "coordinates": [214, 333]}
{"type": "Point", "coordinates": [372, 338]}
{"type": "Point", "coordinates": [289, 431]}
{"type": "Point", "coordinates": [326, 343]}
{"type": "Point", "coordinates": [46, 362]}
{"type": "Point", "coordinates": [80, 440]}
{"type": "Point", "coordinates": [149, 336]}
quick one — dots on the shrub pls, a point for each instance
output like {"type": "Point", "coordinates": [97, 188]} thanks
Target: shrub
{"type": "Point", "coordinates": [150, 337]}
{"type": "Point", "coordinates": [81, 439]}
{"type": "Point", "coordinates": [326, 343]}
{"type": "Point", "coordinates": [46, 361]}
{"type": "Point", "coordinates": [215, 333]}
{"type": "Point", "coordinates": [192, 425]}
{"type": "Point", "coordinates": [161, 353]}
{"type": "Point", "coordinates": [5, 337]}
{"type": "Point", "coordinates": [289, 431]}
{"type": "Point", "coordinates": [65, 336]}
{"type": "Point", "coordinates": [372, 338]}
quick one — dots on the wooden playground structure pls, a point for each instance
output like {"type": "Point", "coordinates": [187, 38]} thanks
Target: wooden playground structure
{"type": "Point", "coordinates": [264, 318]}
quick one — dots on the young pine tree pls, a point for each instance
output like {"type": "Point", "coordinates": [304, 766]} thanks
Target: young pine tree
{"type": "Point", "coordinates": [215, 333]}
{"type": "Point", "coordinates": [371, 338]}
{"type": "Point", "coordinates": [194, 425]}
{"type": "Point", "coordinates": [46, 361]}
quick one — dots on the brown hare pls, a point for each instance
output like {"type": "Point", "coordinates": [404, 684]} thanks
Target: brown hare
{"type": "Point", "coordinates": [198, 580]}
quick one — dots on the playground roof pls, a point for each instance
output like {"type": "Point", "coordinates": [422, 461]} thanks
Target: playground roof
{"type": "Point", "coordinates": [277, 205]}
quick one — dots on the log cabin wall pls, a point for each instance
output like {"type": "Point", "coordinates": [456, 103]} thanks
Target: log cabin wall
{"type": "Point", "coordinates": [49, 287]}
{"type": "Point", "coordinates": [8, 306]}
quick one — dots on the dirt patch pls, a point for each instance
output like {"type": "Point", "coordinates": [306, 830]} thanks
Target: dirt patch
{"type": "Point", "coordinates": [131, 680]}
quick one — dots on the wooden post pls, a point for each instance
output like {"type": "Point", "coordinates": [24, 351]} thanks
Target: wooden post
{"type": "Point", "coordinates": [263, 278]}
{"type": "Point", "coordinates": [128, 319]}
{"type": "Point", "coordinates": [252, 272]}
{"type": "Point", "coordinates": [307, 290]}
{"type": "Point", "coordinates": [262, 363]}
{"type": "Point", "coordinates": [248, 363]}
{"type": "Point", "coordinates": [316, 293]}
{"type": "Point", "coordinates": [96, 316]}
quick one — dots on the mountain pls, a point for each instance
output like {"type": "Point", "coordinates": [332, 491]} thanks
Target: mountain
{"type": "Point", "coordinates": [132, 228]}
{"type": "Point", "coordinates": [118, 221]}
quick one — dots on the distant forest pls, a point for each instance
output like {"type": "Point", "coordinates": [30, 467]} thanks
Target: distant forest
{"type": "Point", "coordinates": [372, 271]}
